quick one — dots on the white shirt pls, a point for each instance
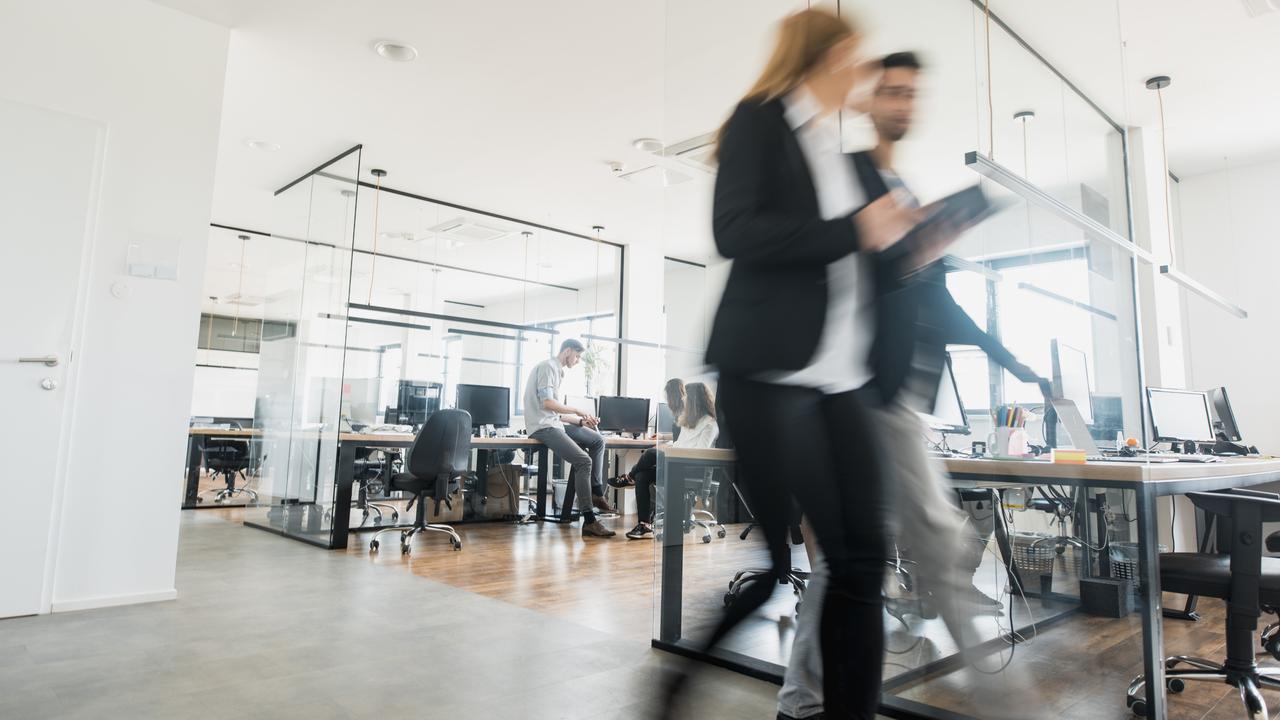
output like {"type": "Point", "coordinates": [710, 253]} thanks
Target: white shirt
{"type": "Point", "coordinates": [840, 362]}
{"type": "Point", "coordinates": [702, 435]}
{"type": "Point", "coordinates": [543, 384]}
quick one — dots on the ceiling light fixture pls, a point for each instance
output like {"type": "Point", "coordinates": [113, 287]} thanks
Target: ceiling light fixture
{"type": "Point", "coordinates": [395, 51]}
{"type": "Point", "coordinates": [378, 174]}
{"type": "Point", "coordinates": [244, 244]}
{"type": "Point", "coordinates": [649, 145]}
{"type": "Point", "coordinates": [1170, 271]}
{"type": "Point", "coordinates": [263, 145]}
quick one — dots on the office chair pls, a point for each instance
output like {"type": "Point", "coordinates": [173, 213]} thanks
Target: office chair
{"type": "Point", "coordinates": [704, 518]}
{"type": "Point", "coordinates": [795, 577]}
{"type": "Point", "coordinates": [1244, 579]}
{"type": "Point", "coordinates": [370, 477]}
{"type": "Point", "coordinates": [228, 458]}
{"type": "Point", "coordinates": [436, 464]}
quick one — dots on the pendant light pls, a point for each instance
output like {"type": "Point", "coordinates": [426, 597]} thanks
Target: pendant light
{"type": "Point", "coordinates": [378, 174]}
{"type": "Point", "coordinates": [244, 244]}
{"type": "Point", "coordinates": [1170, 271]}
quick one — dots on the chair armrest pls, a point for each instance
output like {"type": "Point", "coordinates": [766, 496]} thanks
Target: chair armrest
{"type": "Point", "coordinates": [1227, 504]}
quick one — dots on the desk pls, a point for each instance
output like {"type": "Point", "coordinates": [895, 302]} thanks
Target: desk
{"type": "Point", "coordinates": [195, 444]}
{"type": "Point", "coordinates": [340, 515]}
{"type": "Point", "coordinates": [1147, 482]}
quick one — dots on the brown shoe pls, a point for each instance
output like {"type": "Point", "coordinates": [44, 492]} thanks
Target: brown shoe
{"type": "Point", "coordinates": [602, 505]}
{"type": "Point", "coordinates": [597, 529]}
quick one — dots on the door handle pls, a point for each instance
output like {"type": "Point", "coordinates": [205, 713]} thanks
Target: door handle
{"type": "Point", "coordinates": [50, 360]}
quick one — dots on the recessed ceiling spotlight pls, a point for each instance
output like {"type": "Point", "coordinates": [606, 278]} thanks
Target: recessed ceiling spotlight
{"type": "Point", "coordinates": [649, 145]}
{"type": "Point", "coordinates": [395, 51]}
{"type": "Point", "coordinates": [262, 145]}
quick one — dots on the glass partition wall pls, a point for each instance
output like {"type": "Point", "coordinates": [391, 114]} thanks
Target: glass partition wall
{"type": "Point", "coordinates": [382, 304]}
{"type": "Point", "coordinates": [1051, 277]}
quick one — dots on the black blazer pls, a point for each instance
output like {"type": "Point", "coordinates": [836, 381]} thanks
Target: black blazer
{"type": "Point", "coordinates": [766, 219]}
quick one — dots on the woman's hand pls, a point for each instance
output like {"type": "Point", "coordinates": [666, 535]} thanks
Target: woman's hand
{"type": "Point", "coordinates": [883, 222]}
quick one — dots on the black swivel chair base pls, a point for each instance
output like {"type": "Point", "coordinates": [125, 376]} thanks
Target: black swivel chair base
{"type": "Point", "coordinates": [795, 577]}
{"type": "Point", "coordinates": [1250, 682]}
{"type": "Point", "coordinates": [231, 489]}
{"type": "Point", "coordinates": [420, 525]}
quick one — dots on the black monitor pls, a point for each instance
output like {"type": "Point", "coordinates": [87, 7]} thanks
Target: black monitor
{"type": "Point", "coordinates": [666, 420]}
{"type": "Point", "coordinates": [1224, 420]}
{"type": "Point", "coordinates": [948, 409]}
{"type": "Point", "coordinates": [1071, 377]}
{"type": "Point", "coordinates": [1179, 415]}
{"type": "Point", "coordinates": [621, 414]}
{"type": "Point", "coordinates": [488, 404]}
{"type": "Point", "coordinates": [416, 400]}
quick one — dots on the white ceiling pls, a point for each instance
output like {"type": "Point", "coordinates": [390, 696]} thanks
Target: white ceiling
{"type": "Point", "coordinates": [516, 108]}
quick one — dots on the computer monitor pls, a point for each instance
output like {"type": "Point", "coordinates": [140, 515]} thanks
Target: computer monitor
{"type": "Point", "coordinates": [1071, 377]}
{"type": "Point", "coordinates": [488, 404]}
{"type": "Point", "coordinates": [622, 414]}
{"type": "Point", "coordinates": [1224, 420]}
{"type": "Point", "coordinates": [416, 400]}
{"type": "Point", "coordinates": [948, 409]}
{"type": "Point", "coordinates": [666, 420]}
{"type": "Point", "coordinates": [1179, 415]}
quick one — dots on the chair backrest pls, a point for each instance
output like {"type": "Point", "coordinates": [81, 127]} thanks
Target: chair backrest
{"type": "Point", "coordinates": [443, 445]}
{"type": "Point", "coordinates": [1242, 512]}
{"type": "Point", "coordinates": [225, 453]}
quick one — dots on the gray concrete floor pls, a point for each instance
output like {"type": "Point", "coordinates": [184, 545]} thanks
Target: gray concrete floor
{"type": "Point", "coordinates": [266, 627]}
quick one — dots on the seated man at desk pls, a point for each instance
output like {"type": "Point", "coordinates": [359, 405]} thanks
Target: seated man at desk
{"type": "Point", "coordinates": [569, 433]}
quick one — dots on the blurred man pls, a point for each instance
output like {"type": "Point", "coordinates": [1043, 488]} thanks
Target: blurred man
{"type": "Point", "coordinates": [569, 433]}
{"type": "Point", "coordinates": [915, 321]}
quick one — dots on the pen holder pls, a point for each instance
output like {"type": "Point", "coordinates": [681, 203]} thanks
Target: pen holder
{"type": "Point", "coordinates": [1008, 442]}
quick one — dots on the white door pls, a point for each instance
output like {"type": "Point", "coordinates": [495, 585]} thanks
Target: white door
{"type": "Point", "coordinates": [50, 163]}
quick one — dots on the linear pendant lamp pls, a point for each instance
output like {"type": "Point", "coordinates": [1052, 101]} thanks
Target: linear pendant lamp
{"type": "Point", "coordinates": [1203, 292]}
{"type": "Point", "coordinates": [1158, 84]}
{"type": "Point", "coordinates": [1011, 181]}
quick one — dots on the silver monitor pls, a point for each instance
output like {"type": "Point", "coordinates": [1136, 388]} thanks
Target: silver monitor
{"type": "Point", "coordinates": [1071, 377]}
{"type": "Point", "coordinates": [1179, 415]}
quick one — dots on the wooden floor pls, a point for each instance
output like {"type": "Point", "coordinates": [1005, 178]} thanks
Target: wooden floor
{"type": "Point", "coordinates": [1076, 668]}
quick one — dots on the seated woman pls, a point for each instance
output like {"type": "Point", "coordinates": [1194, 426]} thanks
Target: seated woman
{"type": "Point", "coordinates": [674, 392]}
{"type": "Point", "coordinates": [697, 429]}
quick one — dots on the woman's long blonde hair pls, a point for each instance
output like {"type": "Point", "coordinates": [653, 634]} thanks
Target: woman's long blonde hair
{"type": "Point", "coordinates": [803, 40]}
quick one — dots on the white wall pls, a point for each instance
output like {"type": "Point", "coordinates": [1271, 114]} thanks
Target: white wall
{"type": "Point", "coordinates": [154, 77]}
{"type": "Point", "coordinates": [1231, 243]}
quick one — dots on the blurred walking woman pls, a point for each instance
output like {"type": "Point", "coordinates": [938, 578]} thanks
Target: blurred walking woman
{"type": "Point", "coordinates": [792, 334]}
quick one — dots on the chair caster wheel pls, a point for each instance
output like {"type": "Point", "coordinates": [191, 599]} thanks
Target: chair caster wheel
{"type": "Point", "coordinates": [199, 500]}
{"type": "Point", "coordinates": [1139, 708]}
{"type": "Point", "coordinates": [457, 546]}
{"type": "Point", "coordinates": [373, 546]}
{"type": "Point", "coordinates": [395, 518]}
{"type": "Point", "coordinates": [404, 549]}
{"type": "Point", "coordinates": [1175, 685]}
{"type": "Point", "coordinates": [706, 538]}
{"type": "Point", "coordinates": [721, 533]}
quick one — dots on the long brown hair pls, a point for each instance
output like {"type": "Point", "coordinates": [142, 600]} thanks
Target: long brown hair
{"type": "Point", "coordinates": [698, 404]}
{"type": "Point", "coordinates": [675, 396]}
{"type": "Point", "coordinates": [803, 39]}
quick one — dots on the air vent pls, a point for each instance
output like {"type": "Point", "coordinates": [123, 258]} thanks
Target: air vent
{"type": "Point", "coordinates": [655, 176]}
{"type": "Point", "coordinates": [696, 152]}
{"type": "Point", "coordinates": [1261, 7]}
{"type": "Point", "coordinates": [461, 230]}
{"type": "Point", "coordinates": [242, 300]}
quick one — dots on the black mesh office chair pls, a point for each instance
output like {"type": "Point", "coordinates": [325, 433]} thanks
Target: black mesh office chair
{"type": "Point", "coordinates": [1245, 580]}
{"type": "Point", "coordinates": [228, 458]}
{"type": "Point", "coordinates": [373, 468]}
{"type": "Point", "coordinates": [436, 464]}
